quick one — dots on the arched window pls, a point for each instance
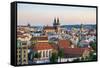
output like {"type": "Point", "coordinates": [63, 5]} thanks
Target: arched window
{"type": "Point", "coordinates": [43, 53]}
{"type": "Point", "coordinates": [46, 53]}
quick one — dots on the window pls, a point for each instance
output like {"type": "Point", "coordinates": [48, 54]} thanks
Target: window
{"type": "Point", "coordinates": [19, 56]}
{"type": "Point", "coordinates": [24, 60]}
{"type": "Point", "coordinates": [24, 56]}
{"type": "Point", "coordinates": [19, 60]}
{"type": "Point", "coordinates": [24, 51]}
{"type": "Point", "coordinates": [19, 51]}
{"type": "Point", "coordinates": [43, 53]}
{"type": "Point", "coordinates": [40, 54]}
{"type": "Point", "coordinates": [46, 53]}
{"type": "Point", "coordinates": [24, 43]}
{"type": "Point", "coordinates": [19, 48]}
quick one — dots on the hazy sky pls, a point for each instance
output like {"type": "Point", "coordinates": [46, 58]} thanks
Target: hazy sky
{"type": "Point", "coordinates": [44, 14]}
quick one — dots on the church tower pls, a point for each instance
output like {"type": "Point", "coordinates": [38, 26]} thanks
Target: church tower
{"type": "Point", "coordinates": [80, 34]}
{"type": "Point", "coordinates": [56, 25]}
{"type": "Point", "coordinates": [81, 28]}
{"type": "Point", "coordinates": [58, 22]}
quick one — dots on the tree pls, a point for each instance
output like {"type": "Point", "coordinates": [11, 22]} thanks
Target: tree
{"type": "Point", "coordinates": [93, 45]}
{"type": "Point", "coordinates": [37, 55]}
{"type": "Point", "coordinates": [31, 55]}
{"type": "Point", "coordinates": [53, 57]}
{"type": "Point", "coordinates": [92, 56]}
{"type": "Point", "coordinates": [61, 53]}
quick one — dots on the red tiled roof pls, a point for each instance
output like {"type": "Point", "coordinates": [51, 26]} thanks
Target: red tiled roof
{"type": "Point", "coordinates": [42, 46]}
{"type": "Point", "coordinates": [64, 43]}
{"type": "Point", "coordinates": [40, 38]}
{"type": "Point", "coordinates": [19, 33]}
{"type": "Point", "coordinates": [22, 36]}
{"type": "Point", "coordinates": [73, 52]}
{"type": "Point", "coordinates": [48, 27]}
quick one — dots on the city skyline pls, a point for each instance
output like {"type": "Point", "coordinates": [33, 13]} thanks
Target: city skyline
{"type": "Point", "coordinates": [45, 14]}
{"type": "Point", "coordinates": [55, 34]}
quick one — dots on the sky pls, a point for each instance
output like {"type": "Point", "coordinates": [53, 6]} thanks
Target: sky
{"type": "Point", "coordinates": [36, 14]}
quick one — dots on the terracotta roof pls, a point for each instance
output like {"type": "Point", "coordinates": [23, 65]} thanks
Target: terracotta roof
{"type": "Point", "coordinates": [49, 27]}
{"type": "Point", "coordinates": [22, 36]}
{"type": "Point", "coordinates": [74, 52]}
{"type": "Point", "coordinates": [91, 34]}
{"type": "Point", "coordinates": [21, 29]}
{"type": "Point", "coordinates": [64, 43]}
{"type": "Point", "coordinates": [19, 33]}
{"type": "Point", "coordinates": [42, 46]}
{"type": "Point", "coordinates": [22, 26]}
{"type": "Point", "coordinates": [40, 38]}
{"type": "Point", "coordinates": [55, 46]}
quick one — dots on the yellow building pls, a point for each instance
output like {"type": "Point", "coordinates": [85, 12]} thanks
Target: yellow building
{"type": "Point", "coordinates": [22, 53]}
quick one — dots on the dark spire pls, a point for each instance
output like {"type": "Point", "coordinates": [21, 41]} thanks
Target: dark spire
{"type": "Point", "coordinates": [54, 23]}
{"type": "Point", "coordinates": [28, 25]}
{"type": "Point", "coordinates": [58, 21]}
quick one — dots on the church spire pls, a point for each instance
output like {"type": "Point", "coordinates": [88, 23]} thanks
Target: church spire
{"type": "Point", "coordinates": [58, 21]}
{"type": "Point", "coordinates": [54, 23]}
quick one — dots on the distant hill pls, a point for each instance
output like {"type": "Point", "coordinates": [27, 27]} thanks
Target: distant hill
{"type": "Point", "coordinates": [88, 26]}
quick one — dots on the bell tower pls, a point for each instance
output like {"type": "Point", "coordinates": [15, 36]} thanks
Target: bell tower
{"type": "Point", "coordinates": [56, 25]}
